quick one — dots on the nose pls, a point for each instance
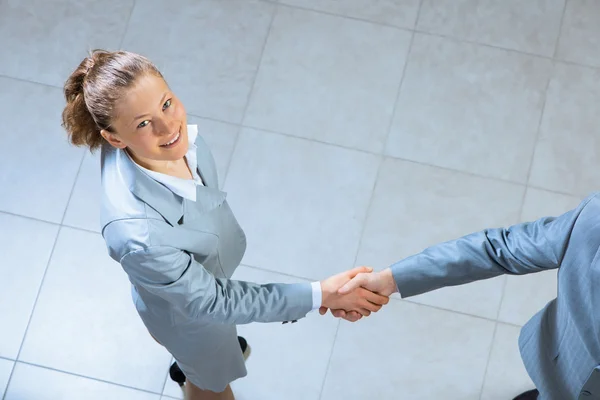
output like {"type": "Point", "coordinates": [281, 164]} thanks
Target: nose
{"type": "Point", "coordinates": [165, 126]}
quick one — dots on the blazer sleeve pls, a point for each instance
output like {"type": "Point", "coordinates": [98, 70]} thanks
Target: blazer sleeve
{"type": "Point", "coordinates": [517, 250]}
{"type": "Point", "coordinates": [175, 276]}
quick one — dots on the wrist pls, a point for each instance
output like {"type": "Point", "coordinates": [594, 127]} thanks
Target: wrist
{"type": "Point", "coordinates": [390, 282]}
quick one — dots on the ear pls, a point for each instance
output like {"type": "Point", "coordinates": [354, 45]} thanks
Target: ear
{"type": "Point", "coordinates": [113, 139]}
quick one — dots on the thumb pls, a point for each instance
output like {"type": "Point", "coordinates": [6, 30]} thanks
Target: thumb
{"type": "Point", "coordinates": [353, 272]}
{"type": "Point", "coordinates": [354, 283]}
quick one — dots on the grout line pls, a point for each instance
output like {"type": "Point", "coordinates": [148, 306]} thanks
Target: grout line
{"type": "Point", "coordinates": [349, 17]}
{"type": "Point", "coordinates": [167, 376]}
{"type": "Point", "coordinates": [337, 329]}
{"type": "Point", "coordinates": [47, 266]}
{"type": "Point", "coordinates": [12, 371]}
{"type": "Point", "coordinates": [85, 377]}
{"type": "Point", "coordinates": [14, 78]}
{"type": "Point", "coordinates": [73, 188]}
{"type": "Point", "coordinates": [487, 364]}
{"type": "Point", "coordinates": [537, 135]}
{"type": "Point", "coordinates": [30, 218]}
{"type": "Point", "coordinates": [7, 359]}
{"type": "Point", "coordinates": [560, 28]}
{"type": "Point", "coordinates": [344, 147]}
{"type": "Point", "coordinates": [34, 306]}
{"type": "Point", "coordinates": [249, 98]}
{"type": "Point", "coordinates": [127, 25]}
{"type": "Point", "coordinates": [401, 84]}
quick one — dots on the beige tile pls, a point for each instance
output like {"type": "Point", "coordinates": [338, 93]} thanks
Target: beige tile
{"type": "Point", "coordinates": [506, 376]}
{"type": "Point", "coordinates": [37, 165]}
{"type": "Point", "coordinates": [96, 332]}
{"type": "Point", "coordinates": [567, 155]}
{"type": "Point", "coordinates": [298, 352]}
{"type": "Point", "coordinates": [525, 295]}
{"type": "Point", "coordinates": [580, 35]}
{"type": "Point", "coordinates": [530, 26]}
{"type": "Point", "coordinates": [25, 246]}
{"type": "Point", "coordinates": [541, 203]}
{"type": "Point", "coordinates": [328, 78]}
{"type": "Point", "coordinates": [84, 206]}
{"type": "Point", "coordinates": [6, 368]}
{"type": "Point", "coordinates": [30, 382]}
{"type": "Point", "coordinates": [44, 41]}
{"type": "Point", "coordinates": [221, 138]}
{"type": "Point", "coordinates": [409, 351]}
{"type": "Point", "coordinates": [209, 51]}
{"type": "Point", "coordinates": [400, 13]}
{"type": "Point", "coordinates": [416, 206]}
{"type": "Point", "coordinates": [470, 108]}
{"type": "Point", "coordinates": [302, 204]}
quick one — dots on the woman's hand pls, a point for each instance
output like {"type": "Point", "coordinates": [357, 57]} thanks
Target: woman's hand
{"type": "Point", "coordinates": [356, 303]}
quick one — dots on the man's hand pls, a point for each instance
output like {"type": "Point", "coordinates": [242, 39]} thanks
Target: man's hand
{"type": "Point", "coordinates": [354, 303]}
{"type": "Point", "coordinates": [378, 282]}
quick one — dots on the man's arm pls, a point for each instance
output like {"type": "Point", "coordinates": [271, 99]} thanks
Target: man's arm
{"type": "Point", "coordinates": [517, 250]}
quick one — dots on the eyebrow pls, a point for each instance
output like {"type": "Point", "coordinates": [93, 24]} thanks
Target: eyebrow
{"type": "Point", "coordinates": [162, 100]}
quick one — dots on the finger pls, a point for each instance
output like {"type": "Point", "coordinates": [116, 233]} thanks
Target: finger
{"type": "Point", "coordinates": [375, 298]}
{"type": "Point", "coordinates": [353, 316]}
{"type": "Point", "coordinates": [354, 283]}
{"type": "Point", "coordinates": [355, 271]}
{"type": "Point", "coordinates": [339, 313]}
{"type": "Point", "coordinates": [323, 310]}
{"type": "Point", "coordinates": [370, 306]}
{"type": "Point", "coordinates": [364, 312]}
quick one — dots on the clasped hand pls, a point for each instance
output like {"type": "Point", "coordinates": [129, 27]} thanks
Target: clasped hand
{"type": "Point", "coordinates": [356, 293]}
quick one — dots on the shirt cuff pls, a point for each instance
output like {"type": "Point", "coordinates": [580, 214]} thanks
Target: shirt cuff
{"type": "Point", "coordinates": [317, 295]}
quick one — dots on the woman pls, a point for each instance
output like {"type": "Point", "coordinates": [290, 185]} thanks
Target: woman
{"type": "Point", "coordinates": [166, 222]}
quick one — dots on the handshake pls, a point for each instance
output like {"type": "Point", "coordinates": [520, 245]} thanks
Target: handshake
{"type": "Point", "coordinates": [357, 293]}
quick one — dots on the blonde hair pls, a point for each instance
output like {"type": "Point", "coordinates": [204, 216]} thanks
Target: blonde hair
{"type": "Point", "coordinates": [93, 89]}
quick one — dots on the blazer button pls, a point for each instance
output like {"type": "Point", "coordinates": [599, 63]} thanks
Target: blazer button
{"type": "Point", "coordinates": [586, 393]}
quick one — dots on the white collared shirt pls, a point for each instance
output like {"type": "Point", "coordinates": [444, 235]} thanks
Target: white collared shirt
{"type": "Point", "coordinates": [186, 188]}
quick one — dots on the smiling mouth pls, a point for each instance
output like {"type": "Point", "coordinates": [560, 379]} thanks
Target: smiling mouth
{"type": "Point", "coordinates": [173, 142]}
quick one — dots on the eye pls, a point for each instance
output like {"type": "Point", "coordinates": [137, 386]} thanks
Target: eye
{"type": "Point", "coordinates": [143, 124]}
{"type": "Point", "coordinates": [167, 104]}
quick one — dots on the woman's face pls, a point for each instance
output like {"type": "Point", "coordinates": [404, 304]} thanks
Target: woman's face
{"type": "Point", "coordinates": [150, 122]}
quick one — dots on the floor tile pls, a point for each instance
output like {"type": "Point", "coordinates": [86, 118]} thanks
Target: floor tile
{"type": "Point", "coordinates": [25, 246]}
{"type": "Point", "coordinates": [96, 332]}
{"type": "Point", "coordinates": [37, 40]}
{"type": "Point", "coordinates": [458, 99]}
{"type": "Point", "coordinates": [6, 368]}
{"type": "Point", "coordinates": [531, 27]}
{"type": "Point", "coordinates": [526, 295]}
{"type": "Point", "coordinates": [506, 376]}
{"type": "Point", "coordinates": [400, 13]}
{"type": "Point", "coordinates": [567, 155]}
{"type": "Point", "coordinates": [305, 88]}
{"type": "Point", "coordinates": [36, 178]}
{"type": "Point", "coordinates": [221, 139]}
{"type": "Point", "coordinates": [395, 353]}
{"type": "Point", "coordinates": [541, 203]}
{"type": "Point", "coordinates": [580, 34]}
{"type": "Point", "coordinates": [209, 54]}
{"type": "Point", "coordinates": [302, 204]}
{"type": "Point", "coordinates": [83, 210]}
{"type": "Point", "coordinates": [416, 206]}
{"type": "Point", "coordinates": [54, 385]}
{"type": "Point", "coordinates": [288, 361]}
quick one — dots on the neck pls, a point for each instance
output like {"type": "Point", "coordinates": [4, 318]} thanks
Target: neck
{"type": "Point", "coordinates": [177, 168]}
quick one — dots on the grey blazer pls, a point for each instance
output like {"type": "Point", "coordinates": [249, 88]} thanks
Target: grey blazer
{"type": "Point", "coordinates": [560, 345]}
{"type": "Point", "coordinates": [179, 254]}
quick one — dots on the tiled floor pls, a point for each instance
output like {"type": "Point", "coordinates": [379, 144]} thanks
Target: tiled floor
{"type": "Point", "coordinates": [374, 128]}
